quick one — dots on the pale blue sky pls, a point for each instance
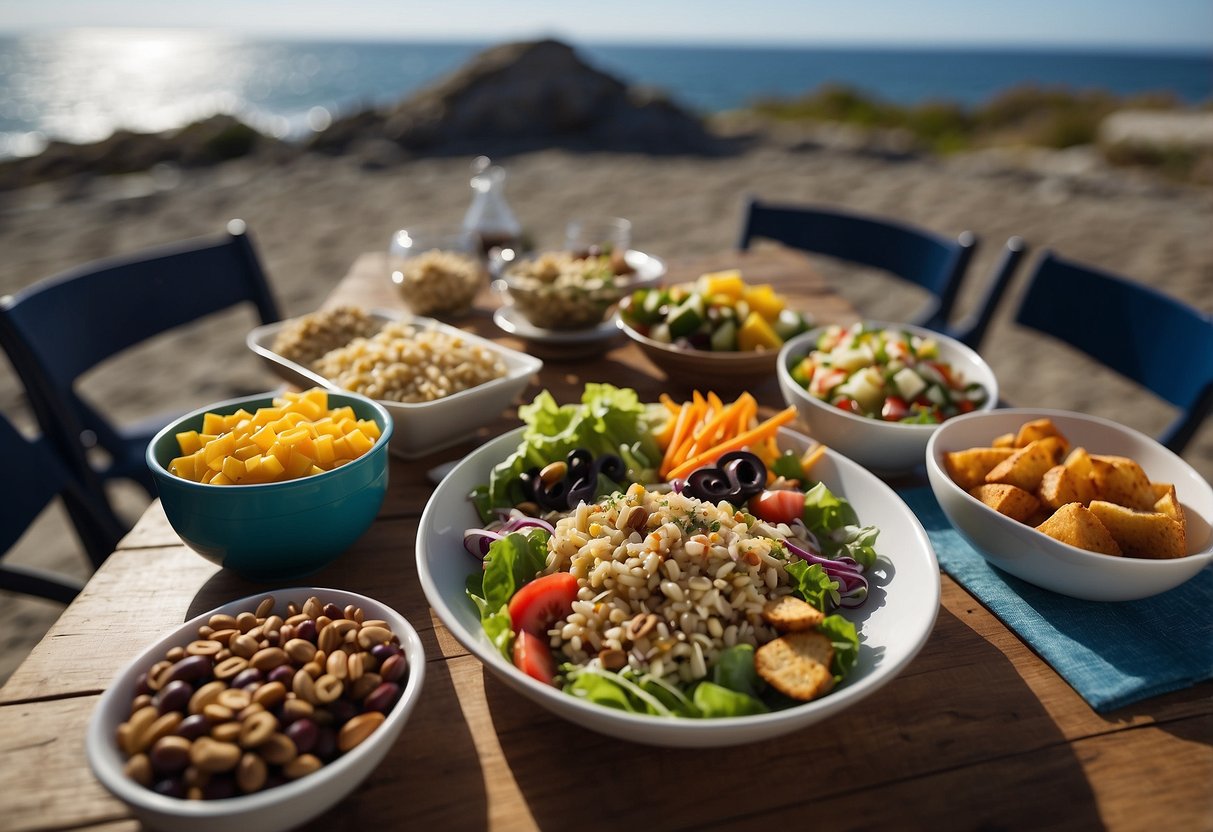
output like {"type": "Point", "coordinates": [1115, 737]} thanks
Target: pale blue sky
{"type": "Point", "coordinates": [1159, 23]}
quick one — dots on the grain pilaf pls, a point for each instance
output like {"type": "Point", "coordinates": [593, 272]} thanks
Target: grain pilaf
{"type": "Point", "coordinates": [666, 580]}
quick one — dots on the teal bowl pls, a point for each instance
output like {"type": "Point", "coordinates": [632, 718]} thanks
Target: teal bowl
{"type": "Point", "coordinates": [274, 531]}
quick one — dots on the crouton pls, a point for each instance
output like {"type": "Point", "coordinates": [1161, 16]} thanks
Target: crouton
{"type": "Point", "coordinates": [1142, 534]}
{"type": "Point", "coordinates": [797, 664]}
{"type": "Point", "coordinates": [789, 614]}
{"type": "Point", "coordinates": [1036, 429]}
{"type": "Point", "coordinates": [1122, 481]}
{"type": "Point", "coordinates": [969, 468]}
{"type": "Point", "coordinates": [1025, 467]}
{"type": "Point", "coordinates": [1007, 499]}
{"type": "Point", "coordinates": [1060, 485]}
{"type": "Point", "coordinates": [1077, 526]}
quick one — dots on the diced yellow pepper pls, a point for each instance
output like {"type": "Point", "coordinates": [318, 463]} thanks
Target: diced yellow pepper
{"type": "Point", "coordinates": [723, 283]}
{"type": "Point", "coordinates": [757, 334]}
{"type": "Point", "coordinates": [188, 441]}
{"type": "Point", "coordinates": [763, 300]}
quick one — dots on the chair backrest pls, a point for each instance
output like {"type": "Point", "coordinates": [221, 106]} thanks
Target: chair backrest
{"type": "Point", "coordinates": [60, 328]}
{"type": "Point", "coordinates": [37, 476]}
{"type": "Point", "coordinates": [972, 330]}
{"type": "Point", "coordinates": [1149, 337]}
{"type": "Point", "coordinates": [929, 260]}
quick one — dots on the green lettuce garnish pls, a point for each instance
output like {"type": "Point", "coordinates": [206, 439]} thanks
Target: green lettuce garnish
{"type": "Point", "coordinates": [511, 562]}
{"type": "Point", "coordinates": [835, 524]}
{"type": "Point", "coordinates": [608, 419]}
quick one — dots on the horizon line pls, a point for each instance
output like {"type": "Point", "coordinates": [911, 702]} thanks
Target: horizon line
{"type": "Point", "coordinates": [1198, 50]}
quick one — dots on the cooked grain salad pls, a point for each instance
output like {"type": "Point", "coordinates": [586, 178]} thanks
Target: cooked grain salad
{"type": "Point", "coordinates": [407, 363]}
{"type": "Point", "coordinates": [668, 580]}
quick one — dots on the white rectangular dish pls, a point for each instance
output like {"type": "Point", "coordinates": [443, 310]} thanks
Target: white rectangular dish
{"type": "Point", "coordinates": [423, 427]}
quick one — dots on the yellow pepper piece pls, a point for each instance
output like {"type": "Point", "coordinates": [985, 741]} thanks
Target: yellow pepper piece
{"type": "Point", "coordinates": [763, 300]}
{"type": "Point", "coordinates": [756, 334]}
{"type": "Point", "coordinates": [723, 283]}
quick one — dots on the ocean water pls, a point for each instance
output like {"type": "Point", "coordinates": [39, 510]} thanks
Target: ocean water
{"type": "Point", "coordinates": [81, 85]}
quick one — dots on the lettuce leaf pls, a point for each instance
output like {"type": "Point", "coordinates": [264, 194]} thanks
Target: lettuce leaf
{"type": "Point", "coordinates": [608, 419]}
{"type": "Point", "coordinates": [842, 633]}
{"type": "Point", "coordinates": [715, 700]}
{"type": "Point", "coordinates": [814, 584]}
{"type": "Point", "coordinates": [511, 562]}
{"type": "Point", "coordinates": [834, 523]}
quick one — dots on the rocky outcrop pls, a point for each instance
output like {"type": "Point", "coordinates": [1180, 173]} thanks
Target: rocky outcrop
{"type": "Point", "coordinates": [522, 96]}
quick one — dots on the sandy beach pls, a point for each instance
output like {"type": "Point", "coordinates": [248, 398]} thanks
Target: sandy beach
{"type": "Point", "coordinates": [311, 215]}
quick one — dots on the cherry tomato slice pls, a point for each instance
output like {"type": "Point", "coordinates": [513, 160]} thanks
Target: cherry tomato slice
{"type": "Point", "coordinates": [778, 506]}
{"type": "Point", "coordinates": [894, 409]}
{"type": "Point", "coordinates": [544, 600]}
{"type": "Point", "coordinates": [534, 658]}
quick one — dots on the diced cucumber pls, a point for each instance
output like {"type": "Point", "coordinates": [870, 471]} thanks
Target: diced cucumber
{"type": "Point", "coordinates": [789, 324]}
{"type": "Point", "coordinates": [661, 332]}
{"type": "Point", "coordinates": [653, 302]}
{"type": "Point", "coordinates": [724, 339]}
{"type": "Point", "coordinates": [686, 317]}
{"type": "Point", "coordinates": [936, 395]}
{"type": "Point", "coordinates": [909, 383]}
{"type": "Point", "coordinates": [852, 359]}
{"type": "Point", "coordinates": [864, 387]}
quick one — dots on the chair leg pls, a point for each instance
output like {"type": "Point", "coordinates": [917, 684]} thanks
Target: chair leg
{"type": "Point", "coordinates": [39, 582]}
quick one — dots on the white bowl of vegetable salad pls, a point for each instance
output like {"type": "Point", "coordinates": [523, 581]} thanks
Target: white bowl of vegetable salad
{"type": "Point", "coordinates": [670, 614]}
{"type": "Point", "coordinates": [877, 391]}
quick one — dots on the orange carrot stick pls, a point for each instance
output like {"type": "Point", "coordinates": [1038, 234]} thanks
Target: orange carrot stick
{"type": "Point", "coordinates": [738, 442]}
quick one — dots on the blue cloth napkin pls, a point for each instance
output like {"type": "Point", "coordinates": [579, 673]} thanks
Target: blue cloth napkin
{"type": "Point", "coordinates": [1111, 653]}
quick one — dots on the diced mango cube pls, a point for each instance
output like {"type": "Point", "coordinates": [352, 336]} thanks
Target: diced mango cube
{"type": "Point", "coordinates": [342, 413]}
{"type": "Point", "coordinates": [265, 415]}
{"type": "Point", "coordinates": [756, 334]}
{"type": "Point", "coordinates": [220, 479]}
{"type": "Point", "coordinates": [213, 423]}
{"type": "Point", "coordinates": [369, 427]}
{"type": "Point", "coordinates": [219, 448]}
{"type": "Point", "coordinates": [265, 438]}
{"type": "Point", "coordinates": [324, 455]}
{"type": "Point", "coordinates": [189, 441]}
{"type": "Point", "coordinates": [245, 451]}
{"type": "Point", "coordinates": [234, 469]}
{"type": "Point", "coordinates": [298, 465]}
{"type": "Point", "coordinates": [358, 442]}
{"type": "Point", "coordinates": [183, 466]}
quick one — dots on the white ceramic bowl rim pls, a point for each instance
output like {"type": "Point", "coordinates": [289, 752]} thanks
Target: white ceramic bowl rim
{"type": "Point", "coordinates": [386, 427]}
{"type": "Point", "coordinates": [731, 355]}
{"type": "Point", "coordinates": [852, 690]}
{"type": "Point", "coordinates": [792, 351]}
{"type": "Point", "coordinates": [1093, 558]}
{"type": "Point", "coordinates": [100, 736]}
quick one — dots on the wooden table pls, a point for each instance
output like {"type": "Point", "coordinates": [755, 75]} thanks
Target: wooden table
{"type": "Point", "coordinates": [977, 732]}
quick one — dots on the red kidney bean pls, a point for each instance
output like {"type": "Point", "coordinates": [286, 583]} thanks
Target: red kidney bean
{"type": "Point", "coordinates": [333, 611]}
{"type": "Point", "coordinates": [385, 651]}
{"type": "Point", "coordinates": [382, 698]}
{"type": "Point", "coordinates": [342, 711]}
{"type": "Point", "coordinates": [190, 669]}
{"type": "Point", "coordinates": [219, 786]}
{"type": "Point", "coordinates": [283, 673]}
{"type": "Point", "coordinates": [170, 755]}
{"type": "Point", "coordinates": [175, 696]}
{"type": "Point", "coordinates": [306, 630]}
{"type": "Point", "coordinates": [326, 743]}
{"type": "Point", "coordinates": [303, 732]}
{"type": "Point", "coordinates": [193, 727]}
{"type": "Point", "coordinates": [248, 676]}
{"type": "Point", "coordinates": [141, 687]}
{"type": "Point", "coordinates": [393, 668]}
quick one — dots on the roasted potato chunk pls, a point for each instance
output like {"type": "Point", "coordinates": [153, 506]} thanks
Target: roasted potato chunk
{"type": "Point", "coordinates": [1168, 502]}
{"type": "Point", "coordinates": [1077, 526]}
{"type": "Point", "coordinates": [1006, 440]}
{"type": "Point", "coordinates": [969, 468]}
{"type": "Point", "coordinates": [797, 664]}
{"type": "Point", "coordinates": [1142, 534]}
{"type": "Point", "coordinates": [790, 614]}
{"type": "Point", "coordinates": [1006, 499]}
{"type": "Point", "coordinates": [1120, 480]}
{"type": "Point", "coordinates": [1036, 429]}
{"type": "Point", "coordinates": [1026, 467]}
{"type": "Point", "coordinates": [1061, 485]}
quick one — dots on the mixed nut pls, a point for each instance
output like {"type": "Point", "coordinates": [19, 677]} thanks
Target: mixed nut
{"type": "Point", "coordinates": [257, 700]}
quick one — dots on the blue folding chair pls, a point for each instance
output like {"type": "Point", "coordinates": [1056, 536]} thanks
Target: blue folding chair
{"type": "Point", "coordinates": [56, 330]}
{"type": "Point", "coordinates": [43, 476]}
{"type": "Point", "coordinates": [1153, 339]}
{"type": "Point", "coordinates": [929, 260]}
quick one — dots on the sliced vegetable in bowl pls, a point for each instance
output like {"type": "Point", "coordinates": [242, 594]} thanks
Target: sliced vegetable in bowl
{"type": "Point", "coordinates": [615, 665]}
{"type": "Point", "coordinates": [719, 312]}
{"type": "Point", "coordinates": [885, 373]}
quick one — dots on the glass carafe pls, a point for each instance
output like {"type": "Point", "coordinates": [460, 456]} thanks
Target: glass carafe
{"type": "Point", "coordinates": [489, 218]}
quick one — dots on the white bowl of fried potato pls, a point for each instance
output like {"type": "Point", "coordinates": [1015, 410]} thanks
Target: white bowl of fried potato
{"type": "Point", "coordinates": [1073, 503]}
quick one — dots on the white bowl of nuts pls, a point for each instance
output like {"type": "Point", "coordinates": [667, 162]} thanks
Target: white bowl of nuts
{"type": "Point", "coordinates": [559, 290]}
{"type": "Point", "coordinates": [260, 714]}
{"type": "Point", "coordinates": [437, 273]}
{"type": "Point", "coordinates": [439, 383]}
